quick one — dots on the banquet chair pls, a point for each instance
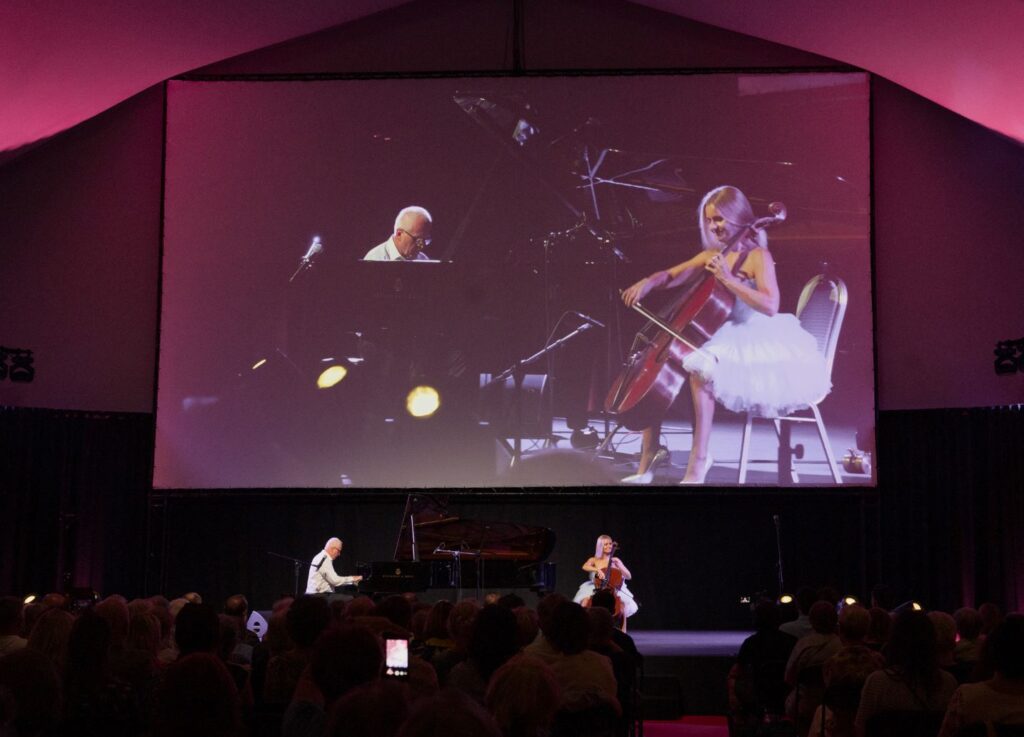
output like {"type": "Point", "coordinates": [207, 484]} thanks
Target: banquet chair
{"type": "Point", "coordinates": [820, 310]}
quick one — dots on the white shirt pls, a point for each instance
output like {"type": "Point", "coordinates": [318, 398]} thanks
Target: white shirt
{"type": "Point", "coordinates": [388, 251]}
{"type": "Point", "coordinates": [322, 578]}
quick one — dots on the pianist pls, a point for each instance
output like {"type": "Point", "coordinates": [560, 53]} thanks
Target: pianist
{"type": "Point", "coordinates": [322, 578]}
{"type": "Point", "coordinates": [410, 236]}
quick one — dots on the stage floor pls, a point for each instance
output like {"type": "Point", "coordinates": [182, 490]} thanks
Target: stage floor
{"type": "Point", "coordinates": [762, 468]}
{"type": "Point", "coordinates": [688, 643]}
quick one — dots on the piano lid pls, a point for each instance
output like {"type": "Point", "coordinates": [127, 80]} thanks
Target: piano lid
{"type": "Point", "coordinates": [439, 533]}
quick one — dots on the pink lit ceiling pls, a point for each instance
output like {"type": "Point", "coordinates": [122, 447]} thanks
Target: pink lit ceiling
{"type": "Point", "coordinates": [64, 61]}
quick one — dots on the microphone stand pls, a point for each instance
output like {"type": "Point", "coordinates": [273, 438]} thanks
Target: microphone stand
{"type": "Point", "coordinates": [518, 372]}
{"type": "Point", "coordinates": [297, 562]}
{"type": "Point", "coordinates": [778, 548]}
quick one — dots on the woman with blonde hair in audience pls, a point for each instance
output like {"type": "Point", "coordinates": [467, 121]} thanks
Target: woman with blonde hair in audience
{"type": "Point", "coordinates": [844, 673]}
{"type": "Point", "coordinates": [50, 636]}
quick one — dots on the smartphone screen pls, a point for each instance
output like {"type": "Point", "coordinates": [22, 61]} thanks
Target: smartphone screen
{"type": "Point", "coordinates": [396, 658]}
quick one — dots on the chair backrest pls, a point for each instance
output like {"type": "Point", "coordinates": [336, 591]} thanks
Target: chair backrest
{"type": "Point", "coordinates": [821, 309]}
{"type": "Point", "coordinates": [904, 724]}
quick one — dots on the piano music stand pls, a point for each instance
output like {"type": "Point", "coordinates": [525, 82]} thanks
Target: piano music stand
{"type": "Point", "coordinates": [456, 556]}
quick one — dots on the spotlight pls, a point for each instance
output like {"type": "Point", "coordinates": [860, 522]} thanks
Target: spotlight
{"type": "Point", "coordinates": [331, 376]}
{"type": "Point", "coordinates": [422, 401]}
{"type": "Point", "coordinates": [910, 604]}
{"type": "Point", "coordinates": [850, 600]}
{"type": "Point", "coordinates": [29, 599]}
{"type": "Point", "coordinates": [259, 363]}
{"type": "Point", "coordinates": [786, 599]}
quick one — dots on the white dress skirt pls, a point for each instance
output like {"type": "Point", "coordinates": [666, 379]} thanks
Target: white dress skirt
{"type": "Point", "coordinates": [629, 605]}
{"type": "Point", "coordinates": [769, 366]}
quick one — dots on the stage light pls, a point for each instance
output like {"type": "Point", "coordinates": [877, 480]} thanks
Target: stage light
{"type": "Point", "coordinates": [422, 401]}
{"type": "Point", "coordinates": [29, 599]}
{"type": "Point", "coordinates": [786, 599]}
{"type": "Point", "coordinates": [331, 376]}
{"type": "Point", "coordinates": [850, 600]}
{"type": "Point", "coordinates": [908, 605]}
{"type": "Point", "coordinates": [259, 363]}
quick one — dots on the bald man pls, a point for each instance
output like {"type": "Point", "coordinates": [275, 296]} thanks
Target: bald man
{"type": "Point", "coordinates": [408, 239]}
{"type": "Point", "coordinates": [322, 578]}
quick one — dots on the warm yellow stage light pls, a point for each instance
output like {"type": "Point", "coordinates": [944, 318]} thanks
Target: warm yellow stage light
{"type": "Point", "coordinates": [331, 376]}
{"type": "Point", "coordinates": [917, 607]}
{"type": "Point", "coordinates": [29, 599]}
{"type": "Point", "coordinates": [259, 363]}
{"type": "Point", "coordinates": [785, 599]}
{"type": "Point", "coordinates": [850, 600]}
{"type": "Point", "coordinates": [423, 401]}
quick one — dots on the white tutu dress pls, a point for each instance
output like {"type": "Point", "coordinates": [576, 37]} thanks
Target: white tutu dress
{"type": "Point", "coordinates": [629, 605]}
{"type": "Point", "coordinates": [769, 366]}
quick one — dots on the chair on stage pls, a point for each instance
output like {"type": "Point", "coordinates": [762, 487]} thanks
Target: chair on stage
{"type": "Point", "coordinates": [820, 310]}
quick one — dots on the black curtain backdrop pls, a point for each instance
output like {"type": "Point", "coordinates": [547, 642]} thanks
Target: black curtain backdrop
{"type": "Point", "coordinates": [945, 526]}
{"type": "Point", "coordinates": [73, 502]}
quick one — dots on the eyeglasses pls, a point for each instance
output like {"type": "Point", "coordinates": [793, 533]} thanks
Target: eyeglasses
{"type": "Point", "coordinates": [421, 242]}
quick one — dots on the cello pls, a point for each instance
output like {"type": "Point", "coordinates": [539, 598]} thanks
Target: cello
{"type": "Point", "coordinates": [612, 580]}
{"type": "Point", "coordinates": [653, 374]}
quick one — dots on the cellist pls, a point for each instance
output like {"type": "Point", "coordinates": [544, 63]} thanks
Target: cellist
{"type": "Point", "coordinates": [599, 566]}
{"type": "Point", "coordinates": [759, 360]}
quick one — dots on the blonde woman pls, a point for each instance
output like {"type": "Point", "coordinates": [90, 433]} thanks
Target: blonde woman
{"type": "Point", "coordinates": [759, 361]}
{"type": "Point", "coordinates": [604, 559]}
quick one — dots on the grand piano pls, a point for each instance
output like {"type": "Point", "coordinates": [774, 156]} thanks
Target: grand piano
{"type": "Point", "coordinates": [437, 549]}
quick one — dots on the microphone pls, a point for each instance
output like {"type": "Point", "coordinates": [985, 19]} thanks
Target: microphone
{"type": "Point", "coordinates": [587, 319]}
{"type": "Point", "coordinates": [307, 261]}
{"type": "Point", "coordinates": [314, 248]}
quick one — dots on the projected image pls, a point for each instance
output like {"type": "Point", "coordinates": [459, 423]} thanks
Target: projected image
{"type": "Point", "coordinates": [542, 282]}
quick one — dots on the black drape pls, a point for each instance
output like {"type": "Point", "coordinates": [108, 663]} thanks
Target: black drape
{"type": "Point", "coordinates": [945, 525]}
{"type": "Point", "coordinates": [73, 506]}
{"type": "Point", "coordinates": [952, 505]}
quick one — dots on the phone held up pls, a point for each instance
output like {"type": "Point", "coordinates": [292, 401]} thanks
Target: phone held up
{"type": "Point", "coordinates": [396, 657]}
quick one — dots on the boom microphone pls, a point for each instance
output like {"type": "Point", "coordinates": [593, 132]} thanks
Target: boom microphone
{"type": "Point", "coordinates": [307, 261]}
{"type": "Point", "coordinates": [587, 318]}
{"type": "Point", "coordinates": [314, 248]}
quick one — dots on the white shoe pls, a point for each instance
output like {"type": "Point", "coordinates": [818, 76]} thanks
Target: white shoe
{"type": "Point", "coordinates": [639, 478]}
{"type": "Point", "coordinates": [708, 463]}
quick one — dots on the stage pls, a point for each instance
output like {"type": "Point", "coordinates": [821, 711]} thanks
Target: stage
{"type": "Point", "coordinates": [684, 671]}
{"type": "Point", "coordinates": [622, 453]}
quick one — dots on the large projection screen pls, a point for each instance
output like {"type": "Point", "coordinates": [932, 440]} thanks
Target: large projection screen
{"type": "Point", "coordinates": [548, 196]}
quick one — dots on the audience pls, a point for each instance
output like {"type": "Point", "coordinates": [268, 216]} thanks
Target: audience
{"type": "Point", "coordinates": [756, 681]}
{"type": "Point", "coordinates": [50, 636]}
{"type": "Point", "coordinates": [844, 675]}
{"type": "Point", "coordinates": [804, 669]}
{"type": "Point", "coordinates": [523, 695]}
{"type": "Point", "coordinates": [1000, 699]}
{"type": "Point", "coordinates": [912, 680]}
{"type": "Point", "coordinates": [152, 667]}
{"type": "Point", "coordinates": [968, 629]}
{"type": "Point", "coordinates": [495, 639]}
{"type": "Point", "coordinates": [878, 629]}
{"type": "Point", "coordinates": [11, 623]}
{"type": "Point", "coordinates": [797, 628]}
